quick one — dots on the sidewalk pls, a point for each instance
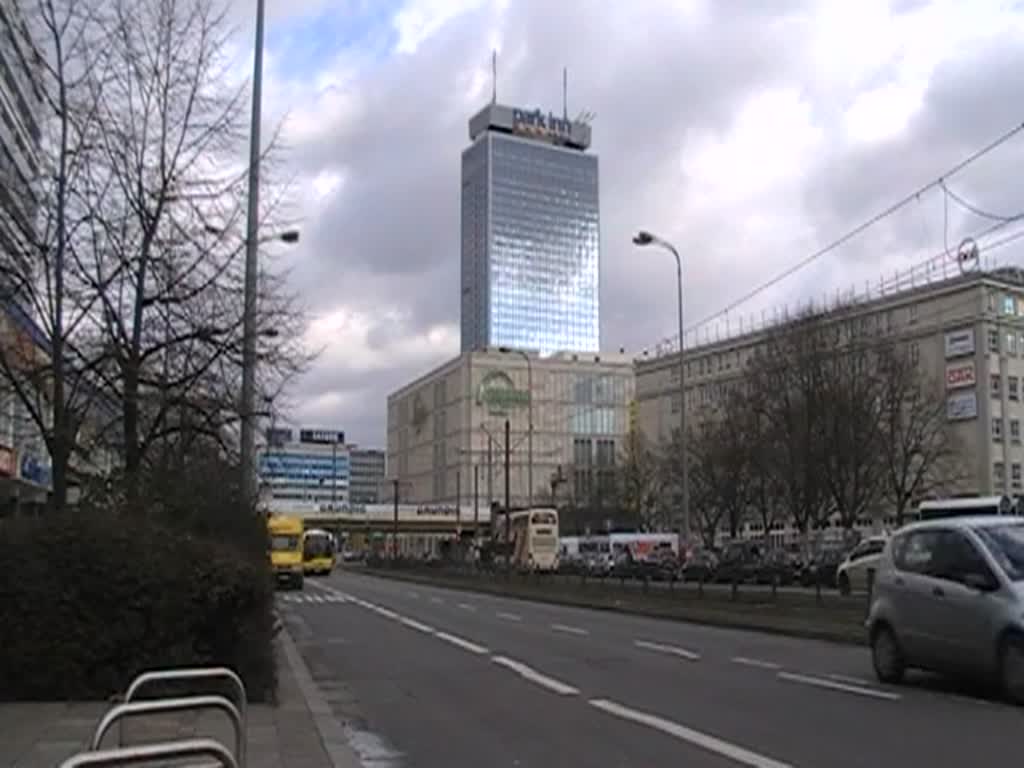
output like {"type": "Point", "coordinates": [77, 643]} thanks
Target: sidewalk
{"type": "Point", "coordinates": [300, 732]}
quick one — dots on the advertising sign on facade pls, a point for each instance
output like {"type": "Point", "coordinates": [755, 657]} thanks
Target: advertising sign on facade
{"type": "Point", "coordinates": [535, 123]}
{"type": "Point", "coordinates": [959, 342]}
{"type": "Point", "coordinates": [321, 436]}
{"type": "Point", "coordinates": [34, 470]}
{"type": "Point", "coordinates": [8, 465]}
{"type": "Point", "coordinates": [962, 406]}
{"type": "Point", "coordinates": [498, 393]}
{"type": "Point", "coordinates": [960, 375]}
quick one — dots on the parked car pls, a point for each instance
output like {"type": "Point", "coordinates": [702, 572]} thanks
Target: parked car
{"type": "Point", "coordinates": [949, 597]}
{"type": "Point", "coordinates": [821, 569]}
{"type": "Point", "coordinates": [700, 566]}
{"type": "Point", "coordinates": [739, 563]}
{"type": "Point", "coordinates": [852, 573]}
{"type": "Point", "coordinates": [776, 567]}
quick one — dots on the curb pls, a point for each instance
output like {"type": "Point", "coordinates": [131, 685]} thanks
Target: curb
{"type": "Point", "coordinates": [841, 636]}
{"type": "Point", "coordinates": [332, 735]}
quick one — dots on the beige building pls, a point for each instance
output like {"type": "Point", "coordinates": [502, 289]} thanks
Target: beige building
{"type": "Point", "coordinates": [446, 430]}
{"type": "Point", "coordinates": [966, 331]}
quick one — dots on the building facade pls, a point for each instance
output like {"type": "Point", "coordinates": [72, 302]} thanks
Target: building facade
{"type": "Point", "coordinates": [21, 107]}
{"type": "Point", "coordinates": [530, 233]}
{"type": "Point", "coordinates": [367, 469]}
{"type": "Point", "coordinates": [446, 430]}
{"type": "Point", "coordinates": [966, 334]}
{"type": "Point", "coordinates": [304, 471]}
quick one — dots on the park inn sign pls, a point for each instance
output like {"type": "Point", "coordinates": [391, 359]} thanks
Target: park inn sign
{"type": "Point", "coordinates": [499, 395]}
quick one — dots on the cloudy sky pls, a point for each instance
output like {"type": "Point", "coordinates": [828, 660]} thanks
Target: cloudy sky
{"type": "Point", "coordinates": [748, 132]}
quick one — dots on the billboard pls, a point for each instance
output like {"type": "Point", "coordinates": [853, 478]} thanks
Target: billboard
{"type": "Point", "coordinates": [960, 375]}
{"type": "Point", "coordinates": [959, 342]}
{"type": "Point", "coordinates": [962, 406]}
{"type": "Point", "coordinates": [321, 436]}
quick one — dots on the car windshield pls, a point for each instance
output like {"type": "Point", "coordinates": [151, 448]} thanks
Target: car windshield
{"type": "Point", "coordinates": [1006, 543]}
{"type": "Point", "coordinates": [283, 543]}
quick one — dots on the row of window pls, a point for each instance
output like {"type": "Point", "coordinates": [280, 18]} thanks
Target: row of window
{"type": "Point", "coordinates": [999, 474]}
{"type": "Point", "coordinates": [997, 430]}
{"type": "Point", "coordinates": [995, 386]}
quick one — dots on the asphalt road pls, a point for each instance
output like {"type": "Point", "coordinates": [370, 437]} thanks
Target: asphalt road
{"type": "Point", "coordinates": [424, 676]}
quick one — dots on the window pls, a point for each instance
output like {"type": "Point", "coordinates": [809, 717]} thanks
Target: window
{"type": "Point", "coordinates": [915, 353]}
{"type": "Point", "coordinates": [957, 558]}
{"type": "Point", "coordinates": [995, 385]}
{"type": "Point", "coordinates": [1013, 387]}
{"type": "Point", "coordinates": [1006, 544]}
{"type": "Point", "coordinates": [1015, 475]}
{"type": "Point", "coordinates": [1011, 343]}
{"type": "Point", "coordinates": [997, 429]}
{"type": "Point", "coordinates": [993, 340]}
{"type": "Point", "coordinates": [998, 474]}
{"type": "Point", "coordinates": [1015, 430]}
{"type": "Point", "coordinates": [913, 313]}
{"type": "Point", "coordinates": [915, 551]}
{"type": "Point", "coordinates": [1009, 305]}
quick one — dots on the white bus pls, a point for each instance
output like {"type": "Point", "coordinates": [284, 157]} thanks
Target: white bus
{"type": "Point", "coordinates": [535, 539]}
{"type": "Point", "coordinates": [976, 505]}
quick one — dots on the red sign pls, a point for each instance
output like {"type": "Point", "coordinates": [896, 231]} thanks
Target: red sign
{"type": "Point", "coordinates": [7, 462]}
{"type": "Point", "coordinates": [962, 375]}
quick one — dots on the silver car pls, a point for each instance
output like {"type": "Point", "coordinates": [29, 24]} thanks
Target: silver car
{"type": "Point", "coordinates": [948, 596]}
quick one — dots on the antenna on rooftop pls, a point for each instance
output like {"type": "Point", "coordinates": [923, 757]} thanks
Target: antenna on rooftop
{"type": "Point", "coordinates": [494, 76]}
{"type": "Point", "coordinates": [565, 93]}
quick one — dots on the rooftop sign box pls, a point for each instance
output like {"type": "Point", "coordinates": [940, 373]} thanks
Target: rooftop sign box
{"type": "Point", "coordinates": [530, 123]}
{"type": "Point", "coordinates": [321, 436]}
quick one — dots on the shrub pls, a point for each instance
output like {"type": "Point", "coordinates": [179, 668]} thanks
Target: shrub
{"type": "Point", "coordinates": [92, 598]}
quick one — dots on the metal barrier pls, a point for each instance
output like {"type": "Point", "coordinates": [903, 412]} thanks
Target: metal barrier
{"type": "Point", "coordinates": [194, 673]}
{"type": "Point", "coordinates": [160, 706]}
{"type": "Point", "coordinates": [147, 753]}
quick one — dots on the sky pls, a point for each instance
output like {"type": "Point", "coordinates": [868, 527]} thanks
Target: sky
{"type": "Point", "coordinates": [749, 133]}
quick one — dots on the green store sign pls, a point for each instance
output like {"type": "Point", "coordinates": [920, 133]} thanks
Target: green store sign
{"type": "Point", "coordinates": [499, 394]}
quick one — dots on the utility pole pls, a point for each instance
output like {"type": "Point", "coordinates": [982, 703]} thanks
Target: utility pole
{"type": "Point", "coordinates": [334, 476]}
{"type": "Point", "coordinates": [508, 500]}
{"type": "Point", "coordinates": [394, 543]}
{"type": "Point", "coordinates": [490, 472]}
{"type": "Point", "coordinates": [458, 504]}
{"type": "Point", "coordinates": [476, 499]}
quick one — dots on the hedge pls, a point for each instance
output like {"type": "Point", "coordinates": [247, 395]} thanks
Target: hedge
{"type": "Point", "coordinates": [90, 600]}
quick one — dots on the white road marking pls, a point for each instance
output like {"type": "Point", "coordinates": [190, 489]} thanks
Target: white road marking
{"type": "Point", "coordinates": [705, 741]}
{"type": "Point", "coordinates": [386, 613]}
{"type": "Point", "coordinates": [671, 649]}
{"type": "Point", "coordinates": [315, 599]}
{"type": "Point", "coordinates": [467, 607]}
{"type": "Point", "coordinates": [851, 680]}
{"type": "Point", "coordinates": [466, 645]}
{"type": "Point", "coordinates": [569, 630]}
{"type": "Point", "coordinates": [509, 616]}
{"type": "Point", "coordinates": [820, 682]}
{"type": "Point", "coordinates": [416, 625]}
{"type": "Point", "coordinates": [748, 662]}
{"type": "Point", "coordinates": [528, 673]}
{"type": "Point", "coordinates": [436, 600]}
{"type": "Point", "coordinates": [413, 594]}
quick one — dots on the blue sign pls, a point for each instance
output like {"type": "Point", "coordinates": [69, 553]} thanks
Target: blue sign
{"type": "Point", "coordinates": [35, 471]}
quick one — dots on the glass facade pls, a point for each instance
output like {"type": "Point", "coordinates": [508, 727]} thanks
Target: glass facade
{"type": "Point", "coordinates": [300, 474]}
{"type": "Point", "coordinates": [530, 246]}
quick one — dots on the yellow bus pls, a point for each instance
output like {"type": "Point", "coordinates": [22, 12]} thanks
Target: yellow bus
{"type": "Point", "coordinates": [318, 552]}
{"type": "Point", "coordinates": [286, 549]}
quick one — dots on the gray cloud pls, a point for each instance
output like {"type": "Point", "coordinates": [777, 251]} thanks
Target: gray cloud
{"type": "Point", "coordinates": [387, 242]}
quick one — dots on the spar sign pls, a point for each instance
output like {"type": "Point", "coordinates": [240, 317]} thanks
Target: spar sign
{"type": "Point", "coordinates": [960, 375]}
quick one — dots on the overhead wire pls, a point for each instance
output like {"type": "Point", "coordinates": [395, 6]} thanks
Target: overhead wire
{"type": "Point", "coordinates": [864, 226]}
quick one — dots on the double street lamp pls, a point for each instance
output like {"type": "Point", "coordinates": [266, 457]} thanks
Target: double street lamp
{"type": "Point", "coordinates": [643, 239]}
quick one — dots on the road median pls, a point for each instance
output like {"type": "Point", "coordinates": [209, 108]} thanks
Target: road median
{"type": "Point", "coordinates": [825, 617]}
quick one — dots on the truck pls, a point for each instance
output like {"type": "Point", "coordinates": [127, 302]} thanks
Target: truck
{"type": "Point", "coordinates": [285, 534]}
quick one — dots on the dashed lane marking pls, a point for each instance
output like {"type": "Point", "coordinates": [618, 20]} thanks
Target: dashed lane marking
{"type": "Point", "coordinates": [538, 678]}
{"type": "Point", "coordinates": [569, 630]}
{"type": "Point", "coordinates": [821, 682]}
{"type": "Point", "coordinates": [672, 650]}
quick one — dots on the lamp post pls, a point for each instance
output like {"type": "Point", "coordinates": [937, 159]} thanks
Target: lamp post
{"type": "Point", "coordinates": [249, 332]}
{"type": "Point", "coordinates": [529, 418]}
{"type": "Point", "coordinates": [643, 238]}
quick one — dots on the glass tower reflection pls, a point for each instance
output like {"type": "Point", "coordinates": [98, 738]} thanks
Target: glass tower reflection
{"type": "Point", "coordinates": [530, 246]}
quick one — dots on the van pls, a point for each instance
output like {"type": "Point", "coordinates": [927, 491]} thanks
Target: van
{"type": "Point", "coordinates": [285, 535]}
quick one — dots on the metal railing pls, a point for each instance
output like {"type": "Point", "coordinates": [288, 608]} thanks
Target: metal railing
{"type": "Point", "coordinates": [160, 706]}
{"type": "Point", "coordinates": [147, 753]}
{"type": "Point", "coordinates": [183, 674]}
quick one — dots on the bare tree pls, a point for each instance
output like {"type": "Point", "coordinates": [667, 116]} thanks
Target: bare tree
{"type": "Point", "coordinates": [918, 453]}
{"type": "Point", "coordinates": [639, 482]}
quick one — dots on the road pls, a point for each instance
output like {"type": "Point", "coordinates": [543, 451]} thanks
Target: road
{"type": "Point", "coordinates": [425, 676]}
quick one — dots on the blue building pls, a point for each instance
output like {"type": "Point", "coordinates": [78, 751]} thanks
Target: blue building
{"type": "Point", "coordinates": [530, 233]}
{"type": "Point", "coordinates": [307, 472]}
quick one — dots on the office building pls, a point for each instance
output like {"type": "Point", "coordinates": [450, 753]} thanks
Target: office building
{"type": "Point", "coordinates": [446, 439]}
{"type": "Point", "coordinates": [21, 107]}
{"type": "Point", "coordinates": [966, 333]}
{"type": "Point", "coordinates": [304, 471]}
{"type": "Point", "coordinates": [530, 233]}
{"type": "Point", "coordinates": [366, 475]}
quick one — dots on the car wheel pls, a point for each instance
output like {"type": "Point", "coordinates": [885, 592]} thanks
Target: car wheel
{"type": "Point", "coordinates": [844, 584]}
{"type": "Point", "coordinates": [886, 655]}
{"type": "Point", "coordinates": [1011, 668]}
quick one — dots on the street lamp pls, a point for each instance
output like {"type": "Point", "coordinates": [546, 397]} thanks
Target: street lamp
{"type": "Point", "coordinates": [529, 417]}
{"type": "Point", "coordinates": [642, 239]}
